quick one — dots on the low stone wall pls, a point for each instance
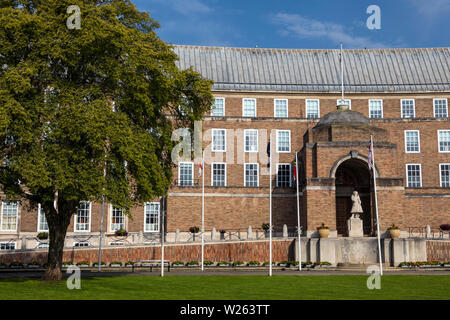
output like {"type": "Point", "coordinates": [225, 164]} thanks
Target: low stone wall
{"type": "Point", "coordinates": [283, 250]}
{"type": "Point", "coordinates": [438, 250]}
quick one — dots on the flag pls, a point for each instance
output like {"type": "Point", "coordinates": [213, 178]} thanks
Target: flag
{"type": "Point", "coordinates": [200, 169]}
{"type": "Point", "coordinates": [369, 157]}
{"type": "Point", "coordinates": [295, 172]}
{"type": "Point", "coordinates": [268, 154]}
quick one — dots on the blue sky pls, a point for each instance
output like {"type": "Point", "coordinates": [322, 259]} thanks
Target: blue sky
{"type": "Point", "coordinates": [314, 24]}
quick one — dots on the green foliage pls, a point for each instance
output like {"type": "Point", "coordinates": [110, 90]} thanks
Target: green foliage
{"type": "Point", "coordinates": [61, 138]}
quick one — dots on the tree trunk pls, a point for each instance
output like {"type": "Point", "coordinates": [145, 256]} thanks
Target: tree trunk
{"type": "Point", "coordinates": [58, 221]}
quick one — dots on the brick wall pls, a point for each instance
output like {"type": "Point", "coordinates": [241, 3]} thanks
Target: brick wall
{"type": "Point", "coordinates": [438, 250]}
{"type": "Point", "coordinates": [283, 250]}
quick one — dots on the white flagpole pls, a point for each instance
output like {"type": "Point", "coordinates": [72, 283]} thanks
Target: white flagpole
{"type": "Point", "coordinates": [298, 216]}
{"type": "Point", "coordinates": [162, 237]}
{"type": "Point", "coordinates": [203, 212]}
{"type": "Point", "coordinates": [376, 203]}
{"type": "Point", "coordinates": [270, 214]}
{"type": "Point", "coordinates": [342, 73]}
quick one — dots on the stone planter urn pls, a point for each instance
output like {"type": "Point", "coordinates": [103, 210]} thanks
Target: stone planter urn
{"type": "Point", "coordinates": [394, 233]}
{"type": "Point", "coordinates": [324, 233]}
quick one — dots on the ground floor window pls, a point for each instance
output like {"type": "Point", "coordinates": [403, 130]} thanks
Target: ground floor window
{"type": "Point", "coordinates": [117, 219]}
{"type": "Point", "coordinates": [83, 217]}
{"type": "Point", "coordinates": [9, 213]}
{"type": "Point", "coordinates": [414, 175]}
{"type": "Point", "coordinates": [81, 244]}
{"type": "Point", "coordinates": [445, 175]}
{"type": "Point", "coordinates": [151, 217]}
{"type": "Point", "coordinates": [284, 175]}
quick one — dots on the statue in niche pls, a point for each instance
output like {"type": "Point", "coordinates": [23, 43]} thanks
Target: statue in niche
{"type": "Point", "coordinates": [356, 207]}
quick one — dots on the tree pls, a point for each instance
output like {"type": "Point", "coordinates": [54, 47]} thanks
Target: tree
{"type": "Point", "coordinates": [88, 112]}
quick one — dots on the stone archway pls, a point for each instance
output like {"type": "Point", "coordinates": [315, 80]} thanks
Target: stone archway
{"type": "Point", "coordinates": [350, 175]}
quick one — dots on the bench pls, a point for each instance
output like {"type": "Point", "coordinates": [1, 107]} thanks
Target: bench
{"type": "Point", "coordinates": [152, 263]}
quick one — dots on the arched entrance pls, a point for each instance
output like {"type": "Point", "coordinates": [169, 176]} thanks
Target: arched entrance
{"type": "Point", "coordinates": [352, 174]}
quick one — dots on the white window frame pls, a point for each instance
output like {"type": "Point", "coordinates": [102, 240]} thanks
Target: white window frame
{"type": "Point", "coordinates": [179, 174]}
{"type": "Point", "coordinates": [306, 108]}
{"type": "Point", "coordinates": [256, 108]}
{"type": "Point", "coordinates": [39, 219]}
{"type": "Point", "coordinates": [414, 108]}
{"type": "Point", "coordinates": [1, 217]}
{"type": "Point", "coordinates": [290, 174]}
{"type": "Point", "coordinates": [420, 171]}
{"type": "Point", "coordinates": [213, 147]}
{"type": "Point", "coordinates": [275, 108]}
{"type": "Point", "coordinates": [245, 139]}
{"type": "Point", "coordinates": [75, 225]}
{"type": "Point", "coordinates": [111, 207]}
{"type": "Point", "coordinates": [349, 102]}
{"type": "Point", "coordinates": [418, 140]}
{"type": "Point", "coordinates": [439, 141]}
{"type": "Point", "coordinates": [145, 217]}
{"type": "Point", "coordinates": [212, 174]}
{"type": "Point", "coordinates": [434, 106]}
{"type": "Point", "coordinates": [9, 244]}
{"type": "Point", "coordinates": [212, 110]}
{"type": "Point", "coordinates": [290, 142]}
{"type": "Point", "coordinates": [440, 174]}
{"type": "Point", "coordinates": [257, 175]}
{"type": "Point", "coordinates": [382, 108]}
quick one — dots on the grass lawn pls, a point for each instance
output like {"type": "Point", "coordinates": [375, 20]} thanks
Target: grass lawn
{"type": "Point", "coordinates": [232, 288]}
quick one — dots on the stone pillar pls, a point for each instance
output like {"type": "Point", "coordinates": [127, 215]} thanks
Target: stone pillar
{"type": "Point", "coordinates": [249, 232]}
{"type": "Point", "coordinates": [355, 227]}
{"type": "Point", "coordinates": [177, 235]}
{"type": "Point", "coordinates": [428, 235]}
{"type": "Point", "coordinates": [285, 231]}
{"type": "Point", "coordinates": [213, 234]}
{"type": "Point", "coordinates": [24, 243]}
{"type": "Point", "coordinates": [327, 250]}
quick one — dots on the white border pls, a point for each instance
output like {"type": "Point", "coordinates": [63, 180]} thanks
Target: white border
{"type": "Point", "coordinates": [192, 174]}
{"type": "Point", "coordinates": [212, 140]}
{"type": "Point", "coordinates": [76, 218]}
{"type": "Point", "coordinates": [212, 175]}
{"type": "Point", "coordinates": [159, 216]}
{"type": "Point", "coordinates": [256, 108]}
{"type": "Point", "coordinates": [110, 209]}
{"type": "Point", "coordinates": [306, 108]}
{"type": "Point", "coordinates": [290, 174]}
{"type": "Point", "coordinates": [257, 176]}
{"type": "Point", "coordinates": [439, 145]}
{"type": "Point", "coordinates": [440, 173]}
{"type": "Point", "coordinates": [275, 109]}
{"type": "Point", "coordinates": [434, 108]}
{"type": "Point", "coordinates": [418, 137]}
{"type": "Point", "coordinates": [290, 142]}
{"type": "Point", "coordinates": [420, 170]}
{"type": "Point", "coordinates": [382, 108]}
{"type": "Point", "coordinates": [257, 140]}
{"type": "Point", "coordinates": [223, 107]}
{"type": "Point", "coordinates": [38, 221]}
{"type": "Point", "coordinates": [401, 108]}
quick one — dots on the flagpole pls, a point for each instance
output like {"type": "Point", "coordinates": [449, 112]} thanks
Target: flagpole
{"type": "Point", "coordinates": [162, 238]}
{"type": "Point", "coordinates": [298, 216]}
{"type": "Point", "coordinates": [203, 212]}
{"type": "Point", "coordinates": [376, 203]}
{"type": "Point", "coordinates": [270, 211]}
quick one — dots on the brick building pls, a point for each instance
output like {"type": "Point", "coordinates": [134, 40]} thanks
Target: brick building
{"type": "Point", "coordinates": [400, 96]}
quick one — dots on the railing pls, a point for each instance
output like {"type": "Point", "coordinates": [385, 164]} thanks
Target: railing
{"type": "Point", "coordinates": [428, 233]}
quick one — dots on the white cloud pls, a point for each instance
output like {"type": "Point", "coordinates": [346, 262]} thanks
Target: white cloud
{"type": "Point", "coordinates": [308, 28]}
{"type": "Point", "coordinates": [431, 8]}
{"type": "Point", "coordinates": [186, 7]}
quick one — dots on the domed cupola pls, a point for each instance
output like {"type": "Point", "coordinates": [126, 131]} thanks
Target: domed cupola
{"type": "Point", "coordinates": [342, 116]}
